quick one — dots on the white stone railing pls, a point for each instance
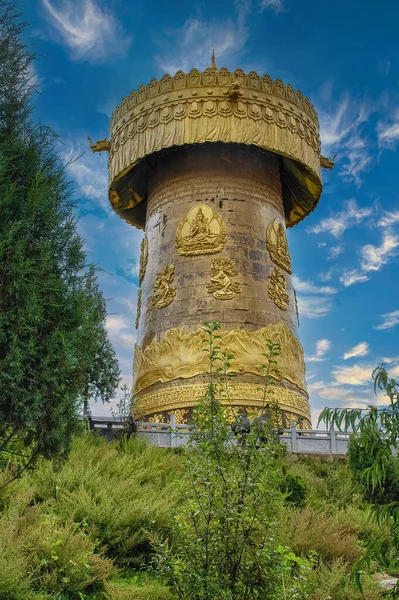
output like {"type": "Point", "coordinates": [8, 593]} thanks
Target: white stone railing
{"type": "Point", "coordinates": [171, 435]}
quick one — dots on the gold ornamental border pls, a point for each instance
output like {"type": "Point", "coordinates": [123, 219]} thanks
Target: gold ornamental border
{"type": "Point", "coordinates": [215, 106]}
{"type": "Point", "coordinates": [213, 77]}
{"type": "Point", "coordinates": [240, 394]}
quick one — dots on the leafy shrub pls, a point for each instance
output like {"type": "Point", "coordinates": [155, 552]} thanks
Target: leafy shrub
{"type": "Point", "coordinates": [330, 484]}
{"type": "Point", "coordinates": [295, 489]}
{"type": "Point", "coordinates": [118, 493]}
{"type": "Point", "coordinates": [362, 453]}
{"type": "Point", "coordinates": [39, 553]}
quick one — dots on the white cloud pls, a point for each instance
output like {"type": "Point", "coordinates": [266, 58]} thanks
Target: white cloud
{"type": "Point", "coordinates": [322, 347]}
{"type": "Point", "coordinates": [339, 222]}
{"type": "Point", "coordinates": [312, 300]}
{"type": "Point", "coordinates": [192, 45]}
{"type": "Point", "coordinates": [392, 359]}
{"type": "Point", "coordinates": [389, 320]}
{"type": "Point", "coordinates": [355, 375]}
{"type": "Point", "coordinates": [325, 276]}
{"type": "Point", "coordinates": [340, 131]}
{"type": "Point", "coordinates": [350, 277]}
{"type": "Point", "coordinates": [388, 219]}
{"type": "Point", "coordinates": [373, 258]}
{"type": "Point", "coordinates": [308, 287]}
{"type": "Point", "coordinates": [335, 251]}
{"type": "Point", "coordinates": [358, 162]}
{"type": "Point", "coordinates": [388, 135]}
{"type": "Point", "coordinates": [360, 350]}
{"type": "Point", "coordinates": [314, 307]}
{"type": "Point", "coordinates": [35, 82]}
{"type": "Point", "coordinates": [89, 31]}
{"type": "Point", "coordinates": [88, 171]}
{"type": "Point", "coordinates": [277, 5]}
{"type": "Point", "coordinates": [120, 331]}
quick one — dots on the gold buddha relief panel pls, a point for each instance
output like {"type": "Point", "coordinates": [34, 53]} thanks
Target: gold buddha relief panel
{"type": "Point", "coordinates": [201, 231]}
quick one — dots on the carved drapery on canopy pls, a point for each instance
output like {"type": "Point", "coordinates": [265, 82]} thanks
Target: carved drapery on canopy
{"type": "Point", "coordinates": [208, 107]}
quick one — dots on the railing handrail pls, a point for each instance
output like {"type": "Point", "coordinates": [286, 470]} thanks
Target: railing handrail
{"type": "Point", "coordinates": [173, 435]}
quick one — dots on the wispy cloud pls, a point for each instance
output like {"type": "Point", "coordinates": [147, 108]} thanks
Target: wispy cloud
{"type": "Point", "coordinates": [354, 375]}
{"type": "Point", "coordinates": [89, 31]}
{"type": "Point", "coordinates": [192, 45]}
{"type": "Point", "coordinates": [360, 350]}
{"type": "Point", "coordinates": [341, 131]}
{"type": "Point", "coordinates": [120, 331]}
{"type": "Point", "coordinates": [335, 251]}
{"type": "Point", "coordinates": [314, 307]}
{"type": "Point", "coordinates": [388, 219]}
{"type": "Point", "coordinates": [373, 258]}
{"type": "Point", "coordinates": [350, 216]}
{"type": "Point", "coordinates": [389, 320]}
{"type": "Point", "coordinates": [314, 301]}
{"type": "Point", "coordinates": [322, 347]}
{"type": "Point", "coordinates": [325, 275]}
{"type": "Point", "coordinates": [388, 131]}
{"type": "Point", "coordinates": [351, 277]}
{"type": "Point", "coordinates": [276, 5]}
{"type": "Point", "coordinates": [308, 287]}
{"type": "Point", "coordinates": [88, 171]}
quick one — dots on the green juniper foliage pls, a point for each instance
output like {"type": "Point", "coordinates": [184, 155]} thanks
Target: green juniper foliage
{"type": "Point", "coordinates": [225, 542]}
{"type": "Point", "coordinates": [54, 350]}
{"type": "Point", "coordinates": [367, 424]}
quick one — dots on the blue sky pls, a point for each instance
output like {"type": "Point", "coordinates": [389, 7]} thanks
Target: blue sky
{"type": "Point", "coordinates": [344, 56]}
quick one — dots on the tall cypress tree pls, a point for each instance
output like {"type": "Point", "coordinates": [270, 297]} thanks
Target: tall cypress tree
{"type": "Point", "coordinates": [54, 349]}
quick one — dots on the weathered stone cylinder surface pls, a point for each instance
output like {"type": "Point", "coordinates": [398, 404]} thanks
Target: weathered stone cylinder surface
{"type": "Point", "coordinates": [236, 190]}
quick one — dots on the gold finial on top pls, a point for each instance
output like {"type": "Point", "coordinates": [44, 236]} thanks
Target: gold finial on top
{"type": "Point", "coordinates": [213, 61]}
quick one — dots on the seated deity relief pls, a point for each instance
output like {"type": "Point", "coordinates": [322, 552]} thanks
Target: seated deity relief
{"type": "Point", "coordinates": [201, 231]}
{"type": "Point", "coordinates": [221, 284]}
{"type": "Point", "coordinates": [163, 292]}
{"type": "Point", "coordinates": [277, 244]}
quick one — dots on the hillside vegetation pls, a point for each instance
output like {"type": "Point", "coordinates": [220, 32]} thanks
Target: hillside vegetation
{"type": "Point", "coordinates": [84, 529]}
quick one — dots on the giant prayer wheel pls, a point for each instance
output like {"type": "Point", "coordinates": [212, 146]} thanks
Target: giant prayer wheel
{"type": "Point", "coordinates": [213, 166]}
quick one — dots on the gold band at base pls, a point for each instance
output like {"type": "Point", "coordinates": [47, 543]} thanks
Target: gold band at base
{"type": "Point", "coordinates": [240, 394]}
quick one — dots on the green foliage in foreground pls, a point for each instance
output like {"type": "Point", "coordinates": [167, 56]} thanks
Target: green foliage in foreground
{"type": "Point", "coordinates": [362, 454]}
{"type": "Point", "coordinates": [54, 349]}
{"type": "Point", "coordinates": [225, 541]}
{"type": "Point", "coordinates": [68, 529]}
{"type": "Point", "coordinates": [107, 502]}
{"type": "Point", "coordinates": [377, 429]}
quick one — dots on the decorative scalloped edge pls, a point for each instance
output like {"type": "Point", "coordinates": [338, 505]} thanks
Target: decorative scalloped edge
{"type": "Point", "coordinates": [213, 77]}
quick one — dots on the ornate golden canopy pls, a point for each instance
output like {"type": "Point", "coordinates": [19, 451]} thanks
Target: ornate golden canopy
{"type": "Point", "coordinates": [209, 107]}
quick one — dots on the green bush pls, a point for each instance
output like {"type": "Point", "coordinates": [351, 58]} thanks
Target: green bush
{"type": "Point", "coordinates": [39, 553]}
{"type": "Point", "coordinates": [294, 489]}
{"type": "Point", "coordinates": [362, 452]}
